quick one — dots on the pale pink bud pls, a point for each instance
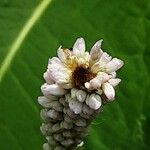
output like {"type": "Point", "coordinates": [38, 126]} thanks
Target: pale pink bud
{"type": "Point", "coordinates": [108, 91]}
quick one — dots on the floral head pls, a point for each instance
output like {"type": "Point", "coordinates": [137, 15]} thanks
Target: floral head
{"type": "Point", "coordinates": [80, 69]}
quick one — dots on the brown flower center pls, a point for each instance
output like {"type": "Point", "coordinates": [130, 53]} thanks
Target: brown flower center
{"type": "Point", "coordinates": [82, 75]}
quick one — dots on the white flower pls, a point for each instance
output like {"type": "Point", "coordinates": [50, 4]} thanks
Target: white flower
{"type": "Point", "coordinates": [94, 71]}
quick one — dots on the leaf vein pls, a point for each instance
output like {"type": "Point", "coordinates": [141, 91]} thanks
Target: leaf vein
{"type": "Point", "coordinates": [22, 35]}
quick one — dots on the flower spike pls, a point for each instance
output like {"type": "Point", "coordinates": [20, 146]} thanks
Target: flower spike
{"type": "Point", "coordinates": [78, 83]}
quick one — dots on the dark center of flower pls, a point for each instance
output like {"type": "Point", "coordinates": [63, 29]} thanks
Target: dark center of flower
{"type": "Point", "coordinates": [82, 75]}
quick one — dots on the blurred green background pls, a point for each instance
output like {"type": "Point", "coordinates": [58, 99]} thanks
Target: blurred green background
{"type": "Point", "coordinates": [125, 27]}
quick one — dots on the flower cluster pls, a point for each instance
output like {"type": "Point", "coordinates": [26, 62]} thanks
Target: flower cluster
{"type": "Point", "coordinates": [77, 85]}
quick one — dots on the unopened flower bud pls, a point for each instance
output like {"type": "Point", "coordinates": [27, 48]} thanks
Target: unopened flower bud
{"type": "Point", "coordinates": [46, 147]}
{"type": "Point", "coordinates": [56, 127]}
{"type": "Point", "coordinates": [52, 89]}
{"type": "Point", "coordinates": [56, 106]}
{"type": "Point", "coordinates": [73, 92]}
{"type": "Point", "coordinates": [46, 128]}
{"type": "Point", "coordinates": [94, 101]}
{"type": "Point", "coordinates": [80, 122]}
{"type": "Point", "coordinates": [75, 106]}
{"type": "Point", "coordinates": [58, 137]}
{"type": "Point", "coordinates": [81, 95]}
{"type": "Point", "coordinates": [54, 114]}
{"type": "Point", "coordinates": [67, 142]}
{"type": "Point", "coordinates": [51, 140]}
{"type": "Point", "coordinates": [66, 125]}
{"type": "Point", "coordinates": [68, 133]}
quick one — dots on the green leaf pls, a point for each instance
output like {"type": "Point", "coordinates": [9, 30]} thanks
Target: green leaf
{"type": "Point", "coordinates": [31, 31]}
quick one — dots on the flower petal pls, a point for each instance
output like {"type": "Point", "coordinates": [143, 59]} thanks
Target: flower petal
{"type": "Point", "coordinates": [97, 67]}
{"type": "Point", "coordinates": [63, 54]}
{"type": "Point", "coordinates": [113, 75]}
{"type": "Point", "coordinates": [100, 65]}
{"type": "Point", "coordinates": [108, 91]}
{"type": "Point", "coordinates": [55, 61]}
{"type": "Point", "coordinates": [105, 58]}
{"type": "Point", "coordinates": [79, 47]}
{"type": "Point", "coordinates": [62, 78]}
{"type": "Point", "coordinates": [48, 78]}
{"type": "Point", "coordinates": [114, 82]}
{"type": "Point", "coordinates": [53, 89]}
{"type": "Point", "coordinates": [96, 82]}
{"type": "Point", "coordinates": [114, 65]}
{"type": "Point", "coordinates": [96, 51]}
{"type": "Point", "coordinates": [84, 60]}
{"type": "Point", "coordinates": [59, 73]}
